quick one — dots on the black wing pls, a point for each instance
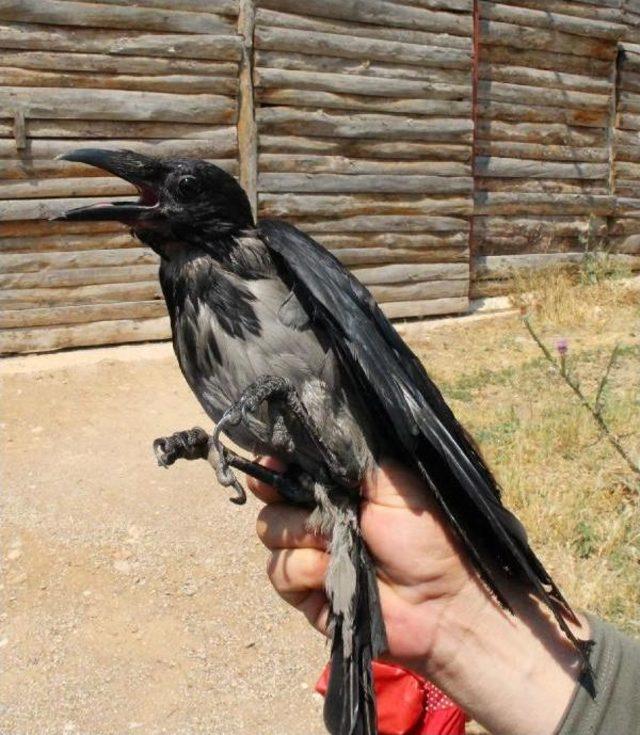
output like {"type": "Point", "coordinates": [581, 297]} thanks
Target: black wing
{"type": "Point", "coordinates": [390, 375]}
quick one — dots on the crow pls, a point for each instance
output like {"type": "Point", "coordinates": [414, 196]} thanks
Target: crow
{"type": "Point", "coordinates": [290, 355]}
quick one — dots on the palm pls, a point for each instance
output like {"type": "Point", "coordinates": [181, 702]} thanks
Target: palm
{"type": "Point", "coordinates": [419, 567]}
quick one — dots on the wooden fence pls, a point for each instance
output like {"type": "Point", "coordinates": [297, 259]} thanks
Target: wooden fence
{"type": "Point", "coordinates": [432, 145]}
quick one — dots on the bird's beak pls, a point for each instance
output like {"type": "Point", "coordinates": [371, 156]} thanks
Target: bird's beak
{"type": "Point", "coordinates": [144, 172]}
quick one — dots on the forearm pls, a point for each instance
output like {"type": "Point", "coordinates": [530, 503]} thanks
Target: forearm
{"type": "Point", "coordinates": [514, 674]}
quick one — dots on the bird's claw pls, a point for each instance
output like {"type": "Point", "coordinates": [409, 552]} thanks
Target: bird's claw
{"type": "Point", "coordinates": [165, 451]}
{"type": "Point", "coordinates": [224, 474]}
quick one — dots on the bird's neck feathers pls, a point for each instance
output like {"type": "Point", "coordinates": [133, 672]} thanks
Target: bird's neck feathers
{"type": "Point", "coordinates": [240, 252]}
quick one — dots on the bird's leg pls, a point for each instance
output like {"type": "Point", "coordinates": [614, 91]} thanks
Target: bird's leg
{"type": "Point", "coordinates": [190, 444]}
{"type": "Point", "coordinates": [278, 390]}
{"type": "Point", "coordinates": [295, 490]}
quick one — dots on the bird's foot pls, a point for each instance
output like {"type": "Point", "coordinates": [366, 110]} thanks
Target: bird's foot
{"type": "Point", "coordinates": [190, 444]}
{"type": "Point", "coordinates": [218, 459]}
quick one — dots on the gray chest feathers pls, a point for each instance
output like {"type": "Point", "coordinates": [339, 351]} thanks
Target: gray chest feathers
{"type": "Point", "coordinates": [233, 331]}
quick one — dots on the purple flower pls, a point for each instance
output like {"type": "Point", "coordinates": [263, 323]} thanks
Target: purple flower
{"type": "Point", "coordinates": [562, 345]}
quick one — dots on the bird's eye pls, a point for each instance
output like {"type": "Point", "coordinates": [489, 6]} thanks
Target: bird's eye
{"type": "Point", "coordinates": [188, 186]}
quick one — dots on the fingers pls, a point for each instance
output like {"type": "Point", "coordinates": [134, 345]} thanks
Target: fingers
{"type": "Point", "coordinates": [298, 577]}
{"type": "Point", "coordinates": [281, 526]}
{"type": "Point", "coordinates": [262, 490]}
{"type": "Point", "coordinates": [298, 563]}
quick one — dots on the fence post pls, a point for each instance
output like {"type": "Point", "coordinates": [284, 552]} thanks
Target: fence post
{"type": "Point", "coordinates": [247, 129]}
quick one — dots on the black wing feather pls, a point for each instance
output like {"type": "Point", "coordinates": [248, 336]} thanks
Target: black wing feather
{"type": "Point", "coordinates": [426, 428]}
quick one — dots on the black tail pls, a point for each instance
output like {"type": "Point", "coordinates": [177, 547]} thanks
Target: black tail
{"type": "Point", "coordinates": [349, 707]}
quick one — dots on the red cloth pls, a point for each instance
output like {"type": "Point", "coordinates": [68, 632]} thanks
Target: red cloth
{"type": "Point", "coordinates": [407, 704]}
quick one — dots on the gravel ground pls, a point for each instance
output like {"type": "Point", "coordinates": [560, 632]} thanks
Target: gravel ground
{"type": "Point", "coordinates": [134, 598]}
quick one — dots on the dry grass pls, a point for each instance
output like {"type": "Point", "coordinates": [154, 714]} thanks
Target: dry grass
{"type": "Point", "coordinates": [577, 498]}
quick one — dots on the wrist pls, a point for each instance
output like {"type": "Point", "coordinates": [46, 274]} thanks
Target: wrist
{"type": "Point", "coordinates": [515, 674]}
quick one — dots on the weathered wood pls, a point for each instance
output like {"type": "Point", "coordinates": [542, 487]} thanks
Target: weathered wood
{"type": "Point", "coordinates": [330, 100]}
{"type": "Point", "coordinates": [24, 209]}
{"type": "Point", "coordinates": [247, 126]}
{"type": "Point", "coordinates": [489, 108]}
{"type": "Point", "coordinates": [411, 273]}
{"type": "Point", "coordinates": [430, 307]}
{"type": "Point", "coordinates": [450, 5]}
{"type": "Point", "coordinates": [542, 204]}
{"type": "Point", "coordinates": [416, 291]}
{"type": "Point", "coordinates": [494, 33]}
{"type": "Point", "coordinates": [377, 12]}
{"type": "Point", "coordinates": [127, 17]}
{"type": "Point", "coordinates": [545, 96]}
{"type": "Point", "coordinates": [47, 316]}
{"type": "Point", "coordinates": [540, 186]}
{"type": "Point", "coordinates": [106, 104]}
{"type": "Point", "coordinates": [218, 141]}
{"type": "Point", "coordinates": [271, 18]}
{"type": "Point", "coordinates": [30, 298]}
{"type": "Point", "coordinates": [78, 277]}
{"type": "Point", "coordinates": [552, 21]}
{"type": "Point", "coordinates": [221, 7]}
{"type": "Point", "coordinates": [292, 121]}
{"type": "Point", "coordinates": [46, 339]}
{"type": "Point", "coordinates": [67, 243]}
{"type": "Point", "coordinates": [630, 82]}
{"type": "Point", "coordinates": [519, 244]}
{"type": "Point", "coordinates": [522, 168]}
{"type": "Point", "coordinates": [19, 132]}
{"type": "Point", "coordinates": [627, 170]}
{"type": "Point", "coordinates": [378, 149]}
{"type": "Point", "coordinates": [358, 85]}
{"type": "Point", "coordinates": [627, 187]}
{"type": "Point", "coordinates": [541, 133]}
{"type": "Point", "coordinates": [629, 244]}
{"type": "Point", "coordinates": [76, 187]}
{"type": "Point", "coordinates": [629, 102]}
{"type": "Point", "coordinates": [390, 223]}
{"type": "Point", "coordinates": [543, 78]}
{"type": "Point", "coordinates": [104, 64]}
{"type": "Point", "coordinates": [360, 67]}
{"type": "Point", "coordinates": [420, 241]}
{"type": "Point", "coordinates": [627, 121]}
{"type": "Point", "coordinates": [42, 168]}
{"type": "Point", "coordinates": [534, 229]}
{"type": "Point", "coordinates": [339, 183]}
{"type": "Point", "coordinates": [39, 262]}
{"type": "Point", "coordinates": [611, 13]}
{"type": "Point", "coordinates": [546, 59]}
{"type": "Point", "coordinates": [502, 266]}
{"type": "Point", "coordinates": [121, 130]}
{"type": "Point", "coordinates": [44, 228]}
{"type": "Point", "coordinates": [171, 83]}
{"type": "Point", "coordinates": [127, 43]}
{"type": "Point", "coordinates": [540, 152]}
{"type": "Point", "coordinates": [270, 162]}
{"type": "Point", "coordinates": [318, 206]}
{"type": "Point", "coordinates": [332, 44]}
{"type": "Point", "coordinates": [374, 256]}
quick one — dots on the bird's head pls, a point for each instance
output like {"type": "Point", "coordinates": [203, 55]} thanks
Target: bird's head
{"type": "Point", "coordinates": [180, 200]}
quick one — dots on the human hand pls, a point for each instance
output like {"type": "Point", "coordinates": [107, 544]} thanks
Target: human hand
{"type": "Point", "coordinates": [514, 674]}
{"type": "Point", "coordinates": [423, 578]}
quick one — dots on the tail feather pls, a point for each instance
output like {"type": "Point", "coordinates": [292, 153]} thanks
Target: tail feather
{"type": "Point", "coordinates": [350, 699]}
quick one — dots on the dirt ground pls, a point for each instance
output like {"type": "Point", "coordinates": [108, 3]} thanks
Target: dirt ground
{"type": "Point", "coordinates": [134, 598]}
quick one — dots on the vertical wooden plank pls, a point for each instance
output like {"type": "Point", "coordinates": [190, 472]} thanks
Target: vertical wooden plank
{"type": "Point", "coordinates": [247, 128]}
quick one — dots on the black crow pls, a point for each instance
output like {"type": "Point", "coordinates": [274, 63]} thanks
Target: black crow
{"type": "Point", "coordinates": [290, 355]}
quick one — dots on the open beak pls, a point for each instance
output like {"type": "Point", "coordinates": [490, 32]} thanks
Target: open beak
{"type": "Point", "coordinates": [144, 172]}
